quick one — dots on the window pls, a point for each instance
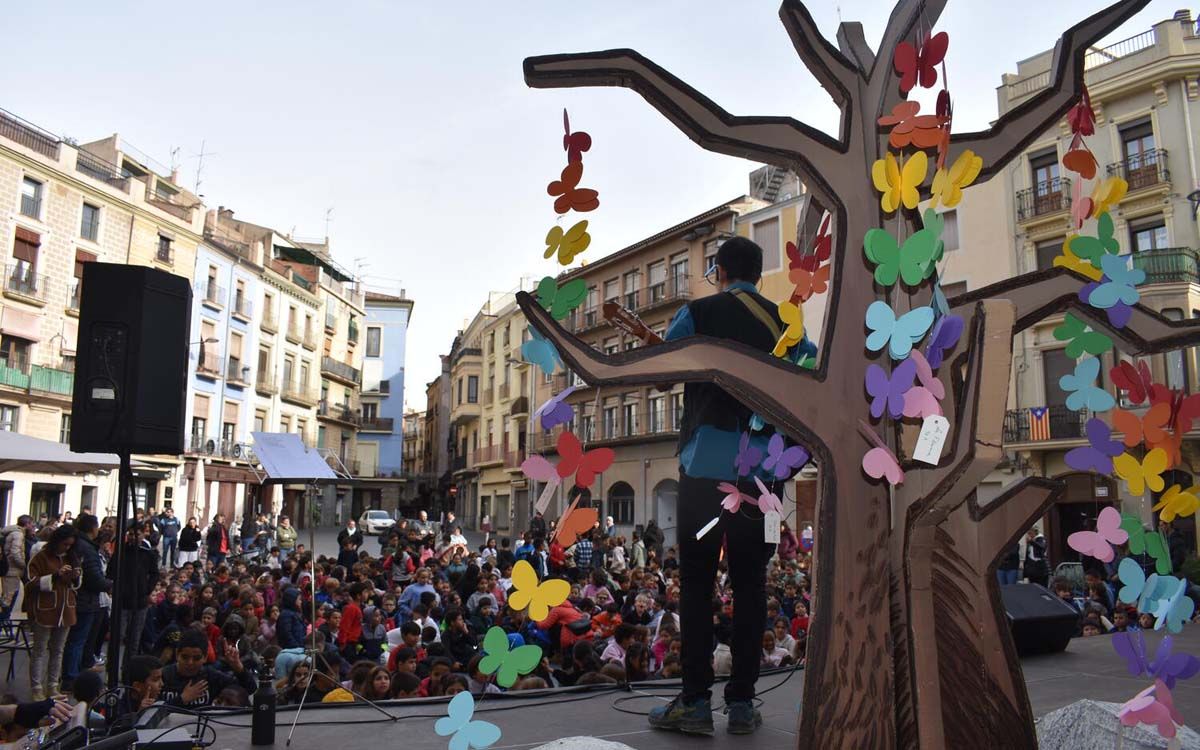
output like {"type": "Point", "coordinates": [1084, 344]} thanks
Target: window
{"type": "Point", "coordinates": [612, 345]}
{"type": "Point", "coordinates": [1176, 361]}
{"type": "Point", "coordinates": [321, 439]}
{"type": "Point", "coordinates": [229, 422]}
{"type": "Point", "coordinates": [472, 389]}
{"type": "Point", "coordinates": [260, 420]}
{"type": "Point", "coordinates": [31, 198]}
{"type": "Point", "coordinates": [370, 411]}
{"type": "Point", "coordinates": [8, 418]}
{"type": "Point", "coordinates": [507, 336]}
{"type": "Point", "coordinates": [630, 415]}
{"type": "Point", "coordinates": [164, 249]}
{"type": "Point", "coordinates": [766, 236]}
{"type": "Point", "coordinates": [89, 225]}
{"type": "Point", "coordinates": [373, 336]}
{"type": "Point", "coordinates": [22, 276]}
{"type": "Point", "coordinates": [658, 281]}
{"type": "Point", "coordinates": [14, 352]}
{"type": "Point", "coordinates": [679, 274]}
{"type": "Point", "coordinates": [1137, 143]}
{"type": "Point", "coordinates": [1044, 167]}
{"type": "Point", "coordinates": [633, 280]}
{"type": "Point", "coordinates": [64, 429]}
{"type": "Point", "coordinates": [303, 375]}
{"type": "Point", "coordinates": [657, 414]}
{"type": "Point", "coordinates": [612, 291]}
{"type": "Point", "coordinates": [289, 364]}
{"type": "Point", "coordinates": [1148, 234]}
{"type": "Point", "coordinates": [1047, 252]}
{"type": "Point", "coordinates": [268, 306]}
{"type": "Point", "coordinates": [950, 231]}
{"type": "Point", "coordinates": [1055, 364]}
{"type": "Point", "coordinates": [677, 410]}
{"type": "Point", "coordinates": [620, 503]}
{"type": "Point", "coordinates": [710, 253]}
{"type": "Point", "coordinates": [610, 420]}
{"type": "Point", "coordinates": [587, 427]}
{"type": "Point", "coordinates": [460, 390]}
{"type": "Point", "coordinates": [592, 305]}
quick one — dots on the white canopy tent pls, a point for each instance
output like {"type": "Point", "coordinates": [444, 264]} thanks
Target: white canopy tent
{"type": "Point", "coordinates": [24, 453]}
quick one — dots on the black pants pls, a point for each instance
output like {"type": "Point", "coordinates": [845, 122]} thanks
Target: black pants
{"type": "Point", "coordinates": [747, 556]}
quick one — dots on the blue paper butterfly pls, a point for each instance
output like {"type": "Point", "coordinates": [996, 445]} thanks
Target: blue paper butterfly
{"type": "Point", "coordinates": [465, 734]}
{"type": "Point", "coordinates": [1081, 386]}
{"type": "Point", "coordinates": [540, 352]}
{"type": "Point", "coordinates": [1120, 284]}
{"type": "Point", "coordinates": [1162, 596]}
{"type": "Point", "coordinates": [902, 332]}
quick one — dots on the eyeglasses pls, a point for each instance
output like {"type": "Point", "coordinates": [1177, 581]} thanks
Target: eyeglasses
{"type": "Point", "coordinates": [711, 274]}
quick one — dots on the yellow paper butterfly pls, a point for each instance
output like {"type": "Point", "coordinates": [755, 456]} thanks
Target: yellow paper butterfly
{"type": "Point", "coordinates": [537, 597]}
{"type": "Point", "coordinates": [948, 184]}
{"type": "Point", "coordinates": [793, 316]}
{"type": "Point", "coordinates": [899, 184]}
{"type": "Point", "coordinates": [1072, 261]}
{"type": "Point", "coordinates": [1146, 473]}
{"type": "Point", "coordinates": [1177, 503]}
{"type": "Point", "coordinates": [1108, 193]}
{"type": "Point", "coordinates": [567, 244]}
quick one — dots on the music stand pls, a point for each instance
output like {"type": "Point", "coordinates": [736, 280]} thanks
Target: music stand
{"type": "Point", "coordinates": [285, 459]}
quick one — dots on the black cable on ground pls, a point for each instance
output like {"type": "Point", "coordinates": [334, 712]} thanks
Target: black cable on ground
{"type": "Point", "coordinates": [758, 702]}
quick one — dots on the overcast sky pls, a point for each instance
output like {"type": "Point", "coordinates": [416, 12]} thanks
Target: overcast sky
{"type": "Point", "coordinates": [413, 123]}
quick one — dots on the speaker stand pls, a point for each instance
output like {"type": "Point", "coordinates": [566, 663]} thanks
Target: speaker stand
{"type": "Point", "coordinates": [116, 633]}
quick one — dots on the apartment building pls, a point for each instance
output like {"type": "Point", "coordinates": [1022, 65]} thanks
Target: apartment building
{"type": "Point", "coordinates": [466, 372]}
{"type": "Point", "coordinates": [64, 205]}
{"type": "Point", "coordinates": [413, 458]}
{"type": "Point", "coordinates": [1146, 97]}
{"type": "Point", "coordinates": [434, 481]}
{"type": "Point", "coordinates": [381, 463]}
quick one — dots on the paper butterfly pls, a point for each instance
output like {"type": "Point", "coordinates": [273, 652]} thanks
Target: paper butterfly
{"type": "Point", "coordinates": [880, 461]}
{"type": "Point", "coordinates": [574, 143]}
{"type": "Point", "coordinates": [748, 456]}
{"type": "Point", "coordinates": [767, 501]}
{"type": "Point", "coordinates": [944, 109]}
{"type": "Point", "coordinates": [1082, 389]}
{"type": "Point", "coordinates": [537, 350]}
{"type": "Point", "coordinates": [1150, 427]}
{"type": "Point", "coordinates": [902, 333]}
{"type": "Point", "coordinates": [574, 522]}
{"type": "Point", "coordinates": [556, 411]}
{"type": "Point", "coordinates": [1081, 207]}
{"type": "Point", "coordinates": [920, 66]}
{"type": "Point", "coordinates": [1070, 260]}
{"type": "Point", "coordinates": [1177, 503]}
{"type": "Point", "coordinates": [463, 732]}
{"type": "Point", "coordinates": [1139, 475]}
{"type": "Point", "coordinates": [538, 598]}
{"type": "Point", "coordinates": [567, 244]}
{"type": "Point", "coordinates": [1098, 455]}
{"type": "Point", "coordinates": [948, 184]}
{"type": "Point", "coordinates": [899, 185]}
{"type": "Point", "coordinates": [1142, 541]}
{"type": "Point", "coordinates": [1118, 315]}
{"type": "Point", "coordinates": [1093, 249]}
{"type": "Point", "coordinates": [1153, 706]}
{"type": "Point", "coordinates": [808, 282]}
{"type": "Point", "coordinates": [1098, 543]}
{"type": "Point", "coordinates": [943, 338]}
{"type": "Point", "coordinates": [1108, 193]}
{"type": "Point", "coordinates": [584, 465]}
{"type": "Point", "coordinates": [911, 128]}
{"type": "Point", "coordinates": [572, 197]}
{"type": "Point", "coordinates": [922, 400]}
{"type": "Point", "coordinates": [1081, 118]}
{"type": "Point", "coordinates": [1082, 339]}
{"type": "Point", "coordinates": [793, 316]}
{"type": "Point", "coordinates": [1135, 380]}
{"type": "Point", "coordinates": [783, 461]}
{"type": "Point", "coordinates": [822, 250]}
{"type": "Point", "coordinates": [888, 391]}
{"type": "Point", "coordinates": [1166, 665]}
{"type": "Point", "coordinates": [914, 261]}
{"type": "Point", "coordinates": [507, 665]}
{"type": "Point", "coordinates": [1121, 285]}
{"type": "Point", "coordinates": [1080, 159]}
{"type": "Point", "coordinates": [560, 301]}
{"type": "Point", "coordinates": [1163, 596]}
{"type": "Point", "coordinates": [734, 497]}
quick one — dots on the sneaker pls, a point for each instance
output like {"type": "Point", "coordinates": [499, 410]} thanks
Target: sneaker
{"type": "Point", "coordinates": [689, 717]}
{"type": "Point", "coordinates": [744, 718]}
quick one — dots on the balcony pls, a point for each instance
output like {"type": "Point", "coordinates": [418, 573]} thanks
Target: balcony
{"type": "Point", "coordinates": [352, 333]}
{"type": "Point", "coordinates": [203, 446]}
{"type": "Point", "coordinates": [1143, 170]}
{"type": "Point", "coordinates": [338, 413]}
{"type": "Point", "coordinates": [265, 383]}
{"type": "Point", "coordinates": [458, 463]}
{"type": "Point", "coordinates": [22, 283]}
{"type": "Point", "coordinates": [486, 397]}
{"type": "Point", "coordinates": [214, 294]}
{"type": "Point", "coordinates": [310, 340]}
{"type": "Point", "coordinates": [487, 456]}
{"type": "Point", "coordinates": [101, 170]}
{"type": "Point", "coordinates": [330, 322]}
{"type": "Point", "coordinates": [520, 406]}
{"type": "Point", "coordinates": [1169, 264]}
{"type": "Point", "coordinates": [165, 254]}
{"type": "Point", "coordinates": [268, 322]}
{"type": "Point", "coordinates": [243, 309]}
{"type": "Point", "coordinates": [299, 393]}
{"type": "Point", "coordinates": [340, 371]}
{"type": "Point", "coordinates": [1062, 424]}
{"type": "Point", "coordinates": [467, 411]}
{"type": "Point", "coordinates": [673, 289]}
{"type": "Point", "coordinates": [28, 135]}
{"type": "Point", "coordinates": [377, 424]}
{"type": "Point", "coordinates": [513, 459]}
{"type": "Point", "coordinates": [1044, 199]}
{"type": "Point", "coordinates": [54, 380]}
{"type": "Point", "coordinates": [236, 373]}
{"type": "Point", "coordinates": [237, 451]}
{"type": "Point", "coordinates": [208, 365]}
{"type": "Point", "coordinates": [503, 390]}
{"type": "Point", "coordinates": [294, 334]}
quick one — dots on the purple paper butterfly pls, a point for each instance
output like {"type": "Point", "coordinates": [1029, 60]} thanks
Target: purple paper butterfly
{"type": "Point", "coordinates": [1166, 666]}
{"type": "Point", "coordinates": [555, 411]}
{"type": "Point", "coordinates": [889, 392]}
{"type": "Point", "coordinates": [747, 457]}
{"type": "Point", "coordinates": [783, 460]}
{"type": "Point", "coordinates": [1118, 315]}
{"type": "Point", "coordinates": [1099, 454]}
{"type": "Point", "coordinates": [943, 338]}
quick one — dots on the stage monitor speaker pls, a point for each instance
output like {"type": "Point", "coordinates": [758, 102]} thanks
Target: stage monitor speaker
{"type": "Point", "coordinates": [1041, 622]}
{"type": "Point", "coordinates": [131, 360]}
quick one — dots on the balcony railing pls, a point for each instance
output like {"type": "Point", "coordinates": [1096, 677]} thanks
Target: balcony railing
{"type": "Point", "coordinates": [1143, 170]}
{"type": "Point", "coordinates": [28, 135]}
{"type": "Point", "coordinates": [339, 412]}
{"type": "Point", "coordinates": [310, 340]}
{"type": "Point", "coordinates": [214, 294]}
{"type": "Point", "coordinates": [340, 370]}
{"type": "Point", "coordinates": [1169, 264]}
{"type": "Point", "coordinates": [237, 373]}
{"type": "Point", "coordinates": [268, 322]}
{"type": "Point", "coordinates": [675, 287]}
{"type": "Point", "coordinates": [294, 334]}
{"type": "Point", "coordinates": [1060, 423]}
{"type": "Point", "coordinates": [485, 396]}
{"type": "Point", "coordinates": [265, 383]}
{"type": "Point", "coordinates": [299, 393]}
{"type": "Point", "coordinates": [242, 307]}
{"type": "Point", "coordinates": [204, 445]}
{"type": "Point", "coordinates": [646, 424]}
{"type": "Point", "coordinates": [489, 454]}
{"type": "Point", "coordinates": [21, 281]}
{"type": "Point", "coordinates": [208, 365]}
{"type": "Point", "coordinates": [165, 254]}
{"type": "Point", "coordinates": [352, 332]}
{"type": "Point", "coordinates": [513, 459]}
{"type": "Point", "coordinates": [99, 169]}
{"type": "Point", "coordinates": [503, 390]}
{"type": "Point", "coordinates": [377, 424]}
{"type": "Point", "coordinates": [73, 295]}
{"type": "Point", "coordinates": [51, 380]}
{"type": "Point", "coordinates": [1044, 198]}
{"type": "Point", "coordinates": [330, 321]}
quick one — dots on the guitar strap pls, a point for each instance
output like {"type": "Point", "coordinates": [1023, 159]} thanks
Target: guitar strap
{"type": "Point", "coordinates": [757, 311]}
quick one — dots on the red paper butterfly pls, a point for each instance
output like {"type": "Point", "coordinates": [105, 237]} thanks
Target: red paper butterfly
{"type": "Point", "coordinates": [1081, 117]}
{"type": "Point", "coordinates": [1187, 411]}
{"type": "Point", "coordinates": [574, 143]}
{"type": "Point", "coordinates": [585, 466]}
{"type": "Point", "coordinates": [570, 196]}
{"type": "Point", "coordinates": [914, 66]}
{"type": "Point", "coordinates": [1137, 381]}
{"type": "Point", "coordinates": [822, 249]}
{"type": "Point", "coordinates": [945, 113]}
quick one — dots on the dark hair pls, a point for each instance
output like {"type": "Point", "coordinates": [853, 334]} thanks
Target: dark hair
{"type": "Point", "coordinates": [404, 682]}
{"type": "Point", "coordinates": [623, 631]}
{"type": "Point", "coordinates": [60, 535]}
{"type": "Point", "coordinates": [741, 259]}
{"type": "Point", "coordinates": [88, 686]}
{"type": "Point", "coordinates": [404, 653]}
{"type": "Point", "coordinates": [410, 628]}
{"type": "Point", "coordinates": [86, 523]}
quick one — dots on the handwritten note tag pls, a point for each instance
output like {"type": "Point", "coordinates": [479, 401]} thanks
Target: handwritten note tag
{"type": "Point", "coordinates": [707, 528]}
{"type": "Point", "coordinates": [543, 500]}
{"type": "Point", "coordinates": [934, 430]}
{"type": "Point", "coordinates": [771, 527]}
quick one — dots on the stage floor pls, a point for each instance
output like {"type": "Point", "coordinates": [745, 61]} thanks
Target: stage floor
{"type": "Point", "coordinates": [1088, 669]}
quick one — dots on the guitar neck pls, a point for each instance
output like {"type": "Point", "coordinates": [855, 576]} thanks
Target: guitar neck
{"type": "Point", "coordinates": [630, 323]}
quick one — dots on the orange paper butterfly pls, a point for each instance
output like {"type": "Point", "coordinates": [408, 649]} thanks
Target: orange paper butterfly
{"type": "Point", "coordinates": [571, 197]}
{"type": "Point", "coordinates": [575, 521]}
{"type": "Point", "coordinates": [1151, 426]}
{"type": "Point", "coordinates": [910, 128]}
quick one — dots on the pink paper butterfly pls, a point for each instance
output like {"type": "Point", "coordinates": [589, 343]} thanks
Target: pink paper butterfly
{"type": "Point", "coordinates": [1098, 543]}
{"type": "Point", "coordinates": [1153, 705]}
{"type": "Point", "coordinates": [880, 461]}
{"type": "Point", "coordinates": [921, 401]}
{"type": "Point", "coordinates": [734, 497]}
{"type": "Point", "coordinates": [767, 501]}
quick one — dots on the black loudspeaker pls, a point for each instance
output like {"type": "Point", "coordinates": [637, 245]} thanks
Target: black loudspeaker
{"type": "Point", "coordinates": [1041, 622]}
{"type": "Point", "coordinates": [131, 360]}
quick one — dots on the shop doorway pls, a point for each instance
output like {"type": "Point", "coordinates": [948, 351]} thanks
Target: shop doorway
{"type": "Point", "coordinates": [666, 502]}
{"type": "Point", "coordinates": [46, 500]}
{"type": "Point", "coordinates": [1085, 496]}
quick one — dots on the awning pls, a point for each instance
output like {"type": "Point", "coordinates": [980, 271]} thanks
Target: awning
{"type": "Point", "coordinates": [23, 453]}
{"type": "Point", "coordinates": [20, 323]}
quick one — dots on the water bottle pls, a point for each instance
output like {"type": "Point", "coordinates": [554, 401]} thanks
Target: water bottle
{"type": "Point", "coordinates": [262, 723]}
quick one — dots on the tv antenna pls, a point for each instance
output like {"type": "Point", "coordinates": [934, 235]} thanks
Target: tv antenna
{"type": "Point", "coordinates": [200, 165]}
{"type": "Point", "coordinates": [328, 218]}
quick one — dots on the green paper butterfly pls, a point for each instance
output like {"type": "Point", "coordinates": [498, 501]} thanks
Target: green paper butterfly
{"type": "Point", "coordinates": [1142, 541]}
{"type": "Point", "coordinates": [561, 300]}
{"type": "Point", "coordinates": [507, 665]}
{"type": "Point", "coordinates": [1082, 338]}
{"type": "Point", "coordinates": [1092, 249]}
{"type": "Point", "coordinates": [913, 262]}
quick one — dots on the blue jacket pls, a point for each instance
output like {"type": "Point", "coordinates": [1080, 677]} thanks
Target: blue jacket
{"type": "Point", "coordinates": [410, 598]}
{"type": "Point", "coordinates": [290, 628]}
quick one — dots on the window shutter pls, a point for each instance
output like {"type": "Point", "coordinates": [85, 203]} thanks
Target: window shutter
{"type": "Point", "coordinates": [81, 257]}
{"type": "Point", "coordinates": [25, 247]}
{"type": "Point", "coordinates": [231, 412]}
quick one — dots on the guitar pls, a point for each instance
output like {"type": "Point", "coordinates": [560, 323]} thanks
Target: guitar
{"type": "Point", "coordinates": [626, 321]}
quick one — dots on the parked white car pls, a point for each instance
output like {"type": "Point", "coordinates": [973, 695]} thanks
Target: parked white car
{"type": "Point", "coordinates": [375, 522]}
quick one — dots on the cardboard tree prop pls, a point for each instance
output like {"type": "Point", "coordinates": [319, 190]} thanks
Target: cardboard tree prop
{"type": "Point", "coordinates": [910, 645]}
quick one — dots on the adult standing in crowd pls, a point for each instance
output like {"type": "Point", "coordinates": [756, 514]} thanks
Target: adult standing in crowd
{"type": "Point", "coordinates": [1009, 570]}
{"type": "Point", "coordinates": [349, 540]}
{"type": "Point", "coordinates": [53, 576]}
{"type": "Point", "coordinates": [88, 608]}
{"type": "Point", "coordinates": [168, 525]}
{"type": "Point", "coordinates": [189, 542]}
{"type": "Point", "coordinates": [216, 543]}
{"type": "Point", "coordinates": [285, 538]}
{"type": "Point", "coordinates": [140, 574]}
{"type": "Point", "coordinates": [1037, 569]}
{"type": "Point", "coordinates": [16, 554]}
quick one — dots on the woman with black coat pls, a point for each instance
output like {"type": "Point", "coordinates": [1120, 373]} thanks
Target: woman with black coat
{"type": "Point", "coordinates": [189, 542]}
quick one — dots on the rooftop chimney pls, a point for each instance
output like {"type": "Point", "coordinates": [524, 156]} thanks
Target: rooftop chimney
{"type": "Point", "coordinates": [1183, 15]}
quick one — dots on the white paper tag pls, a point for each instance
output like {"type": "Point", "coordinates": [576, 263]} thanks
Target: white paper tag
{"type": "Point", "coordinates": [771, 527]}
{"type": "Point", "coordinates": [543, 500]}
{"type": "Point", "coordinates": [707, 528]}
{"type": "Point", "coordinates": [934, 430]}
